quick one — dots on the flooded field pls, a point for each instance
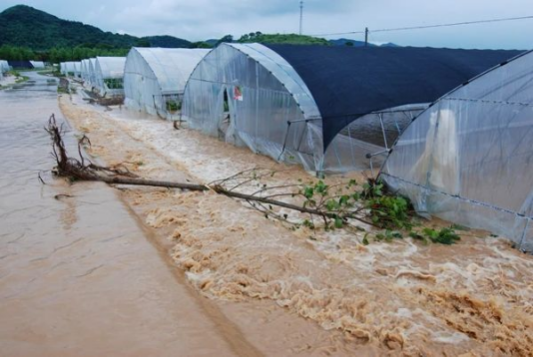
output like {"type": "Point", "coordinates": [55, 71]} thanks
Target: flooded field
{"type": "Point", "coordinates": [79, 276]}
{"type": "Point", "coordinates": [305, 292]}
{"type": "Point", "coordinates": [88, 270]}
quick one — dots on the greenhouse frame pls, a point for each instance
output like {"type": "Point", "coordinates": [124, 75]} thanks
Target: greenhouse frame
{"type": "Point", "coordinates": [468, 158]}
{"type": "Point", "coordinates": [109, 76]}
{"type": "Point", "coordinates": [327, 108]}
{"type": "Point", "coordinates": [155, 79]}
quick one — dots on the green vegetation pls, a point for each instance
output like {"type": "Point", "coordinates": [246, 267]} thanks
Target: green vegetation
{"type": "Point", "coordinates": [173, 105]}
{"type": "Point", "coordinates": [394, 214]}
{"type": "Point", "coordinates": [201, 45]}
{"type": "Point", "coordinates": [445, 236]}
{"type": "Point", "coordinates": [292, 39]}
{"type": "Point", "coordinates": [19, 78]}
{"type": "Point", "coordinates": [114, 83]}
{"type": "Point", "coordinates": [24, 26]}
{"type": "Point", "coordinates": [387, 211]}
{"type": "Point", "coordinates": [57, 54]}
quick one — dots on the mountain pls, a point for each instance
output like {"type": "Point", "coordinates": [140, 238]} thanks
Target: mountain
{"type": "Point", "coordinates": [211, 42]}
{"type": "Point", "coordinates": [25, 26]}
{"type": "Point", "coordinates": [167, 42]}
{"type": "Point", "coordinates": [355, 43]}
{"type": "Point", "coordinates": [346, 41]}
{"type": "Point", "coordinates": [282, 39]}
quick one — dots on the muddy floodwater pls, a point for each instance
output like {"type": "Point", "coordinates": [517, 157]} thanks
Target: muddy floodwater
{"type": "Point", "coordinates": [90, 270]}
{"type": "Point", "coordinates": [78, 276]}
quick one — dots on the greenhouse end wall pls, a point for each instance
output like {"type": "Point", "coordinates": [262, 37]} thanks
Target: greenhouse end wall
{"type": "Point", "coordinates": [155, 78]}
{"type": "Point", "coordinates": [469, 158]}
{"type": "Point", "coordinates": [247, 95]}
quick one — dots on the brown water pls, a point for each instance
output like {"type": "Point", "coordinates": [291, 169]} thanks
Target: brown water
{"type": "Point", "coordinates": [78, 275]}
{"type": "Point", "coordinates": [402, 298]}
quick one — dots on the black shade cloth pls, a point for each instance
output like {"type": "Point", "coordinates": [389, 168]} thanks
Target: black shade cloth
{"type": "Point", "coordinates": [348, 82]}
{"type": "Point", "coordinates": [20, 64]}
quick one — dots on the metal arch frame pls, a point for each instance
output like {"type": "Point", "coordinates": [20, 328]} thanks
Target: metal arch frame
{"type": "Point", "coordinates": [280, 69]}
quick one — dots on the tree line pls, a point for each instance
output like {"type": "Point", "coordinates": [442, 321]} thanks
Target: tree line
{"type": "Point", "coordinates": [58, 54]}
{"type": "Point", "coordinates": [66, 54]}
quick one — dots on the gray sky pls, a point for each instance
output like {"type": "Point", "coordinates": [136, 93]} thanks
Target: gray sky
{"type": "Point", "coordinates": [203, 19]}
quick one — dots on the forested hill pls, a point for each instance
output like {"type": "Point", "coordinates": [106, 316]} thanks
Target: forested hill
{"type": "Point", "coordinates": [24, 26]}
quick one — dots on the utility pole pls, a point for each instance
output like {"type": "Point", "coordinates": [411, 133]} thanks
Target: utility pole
{"type": "Point", "coordinates": [366, 36]}
{"type": "Point", "coordinates": [301, 16]}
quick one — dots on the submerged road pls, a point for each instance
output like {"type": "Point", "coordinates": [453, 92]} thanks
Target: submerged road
{"type": "Point", "coordinates": [78, 274]}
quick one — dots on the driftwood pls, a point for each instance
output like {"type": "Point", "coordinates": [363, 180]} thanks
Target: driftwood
{"type": "Point", "coordinates": [83, 169]}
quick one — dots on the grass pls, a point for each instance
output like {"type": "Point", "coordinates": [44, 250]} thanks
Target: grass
{"type": "Point", "coordinates": [21, 79]}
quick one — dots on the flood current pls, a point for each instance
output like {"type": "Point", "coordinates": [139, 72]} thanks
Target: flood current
{"type": "Point", "coordinates": [88, 270]}
{"type": "Point", "coordinates": [78, 276]}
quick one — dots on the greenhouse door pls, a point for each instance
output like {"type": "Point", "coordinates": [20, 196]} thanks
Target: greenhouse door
{"type": "Point", "coordinates": [226, 116]}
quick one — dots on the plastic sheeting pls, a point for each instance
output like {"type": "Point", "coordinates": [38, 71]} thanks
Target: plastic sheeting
{"type": "Point", "coordinates": [469, 157]}
{"type": "Point", "coordinates": [4, 67]}
{"type": "Point", "coordinates": [381, 77]}
{"type": "Point", "coordinates": [365, 143]}
{"type": "Point", "coordinates": [68, 68]}
{"type": "Point", "coordinates": [37, 64]}
{"type": "Point", "coordinates": [278, 115]}
{"type": "Point", "coordinates": [109, 75]}
{"type": "Point", "coordinates": [77, 67]}
{"type": "Point", "coordinates": [246, 94]}
{"type": "Point", "coordinates": [91, 74]}
{"type": "Point", "coordinates": [155, 78]}
{"type": "Point", "coordinates": [20, 64]}
{"type": "Point", "coordinates": [84, 70]}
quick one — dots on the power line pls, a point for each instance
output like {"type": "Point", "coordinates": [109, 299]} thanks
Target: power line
{"type": "Point", "coordinates": [430, 26]}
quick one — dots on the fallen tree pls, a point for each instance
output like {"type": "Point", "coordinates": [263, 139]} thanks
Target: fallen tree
{"type": "Point", "coordinates": [338, 205]}
{"type": "Point", "coordinates": [83, 169]}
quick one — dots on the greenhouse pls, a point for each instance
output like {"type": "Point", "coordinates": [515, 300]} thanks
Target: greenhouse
{"type": "Point", "coordinates": [20, 64]}
{"type": "Point", "coordinates": [155, 78]}
{"type": "Point", "coordinates": [92, 72]}
{"type": "Point", "coordinates": [68, 69]}
{"type": "Point", "coordinates": [327, 108]}
{"type": "Point", "coordinates": [84, 69]}
{"type": "Point", "coordinates": [109, 75]}
{"type": "Point", "coordinates": [77, 69]}
{"type": "Point", "coordinates": [37, 64]}
{"type": "Point", "coordinates": [468, 158]}
{"type": "Point", "coordinates": [4, 67]}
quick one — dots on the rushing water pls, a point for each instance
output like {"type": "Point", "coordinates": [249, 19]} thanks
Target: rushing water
{"type": "Point", "coordinates": [77, 274]}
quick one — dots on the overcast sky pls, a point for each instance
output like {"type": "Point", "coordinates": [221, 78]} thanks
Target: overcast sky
{"type": "Point", "coordinates": [205, 19]}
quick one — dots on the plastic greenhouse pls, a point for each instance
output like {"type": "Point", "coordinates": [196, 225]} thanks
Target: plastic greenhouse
{"type": "Point", "coordinates": [77, 72]}
{"type": "Point", "coordinates": [83, 69]}
{"type": "Point", "coordinates": [4, 67]}
{"type": "Point", "coordinates": [68, 68]}
{"type": "Point", "coordinates": [155, 78]}
{"type": "Point", "coordinates": [469, 157]}
{"type": "Point", "coordinates": [91, 64]}
{"type": "Point", "coordinates": [109, 75]}
{"type": "Point", "coordinates": [37, 64]}
{"type": "Point", "coordinates": [324, 107]}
